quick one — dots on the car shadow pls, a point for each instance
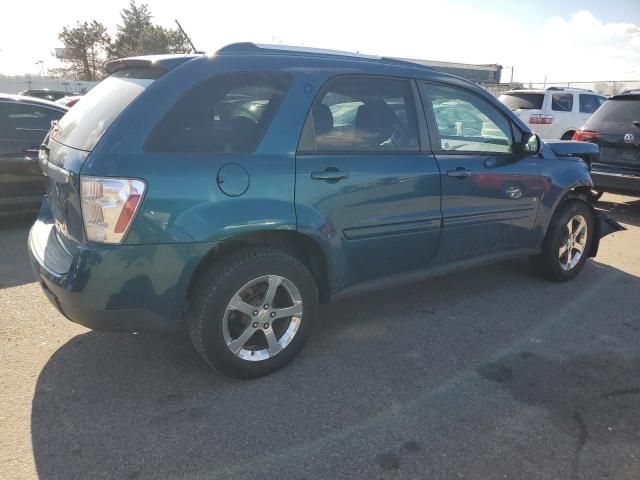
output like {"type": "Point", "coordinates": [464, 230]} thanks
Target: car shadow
{"type": "Point", "coordinates": [15, 269]}
{"type": "Point", "coordinates": [623, 209]}
{"type": "Point", "coordinates": [144, 406]}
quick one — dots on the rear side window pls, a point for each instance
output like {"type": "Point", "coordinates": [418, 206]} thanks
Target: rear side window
{"type": "Point", "coordinates": [362, 114]}
{"type": "Point", "coordinates": [228, 113]}
{"type": "Point", "coordinates": [523, 101]}
{"type": "Point", "coordinates": [590, 103]}
{"type": "Point", "coordinates": [88, 120]}
{"type": "Point", "coordinates": [615, 116]}
{"type": "Point", "coordinates": [562, 102]}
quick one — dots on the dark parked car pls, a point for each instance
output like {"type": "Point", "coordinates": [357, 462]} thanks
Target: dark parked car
{"type": "Point", "coordinates": [45, 94]}
{"type": "Point", "coordinates": [24, 122]}
{"type": "Point", "coordinates": [219, 193]}
{"type": "Point", "coordinates": [615, 128]}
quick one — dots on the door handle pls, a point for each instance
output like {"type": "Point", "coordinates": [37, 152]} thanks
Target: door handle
{"type": "Point", "coordinates": [458, 173]}
{"type": "Point", "coordinates": [329, 174]}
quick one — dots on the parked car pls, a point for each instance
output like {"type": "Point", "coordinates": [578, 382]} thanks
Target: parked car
{"type": "Point", "coordinates": [24, 122]}
{"type": "Point", "coordinates": [69, 101]}
{"type": "Point", "coordinates": [44, 93]}
{"type": "Point", "coordinates": [218, 194]}
{"type": "Point", "coordinates": [615, 128]}
{"type": "Point", "coordinates": [554, 113]}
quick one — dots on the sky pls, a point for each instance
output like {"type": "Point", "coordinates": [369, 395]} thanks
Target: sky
{"type": "Point", "coordinates": [558, 40]}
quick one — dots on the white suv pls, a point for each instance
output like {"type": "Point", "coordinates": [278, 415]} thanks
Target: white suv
{"type": "Point", "coordinates": [554, 113]}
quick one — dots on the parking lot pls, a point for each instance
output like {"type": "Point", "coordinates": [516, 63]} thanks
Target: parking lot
{"type": "Point", "coordinates": [487, 374]}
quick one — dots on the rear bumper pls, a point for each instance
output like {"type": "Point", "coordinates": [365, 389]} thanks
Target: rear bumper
{"type": "Point", "coordinates": [616, 182]}
{"type": "Point", "coordinates": [115, 288]}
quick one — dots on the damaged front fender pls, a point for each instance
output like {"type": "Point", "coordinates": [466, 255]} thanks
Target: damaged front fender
{"type": "Point", "coordinates": [603, 226]}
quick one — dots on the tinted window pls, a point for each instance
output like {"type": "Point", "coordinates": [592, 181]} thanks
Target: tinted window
{"type": "Point", "coordinates": [88, 120]}
{"type": "Point", "coordinates": [224, 114]}
{"type": "Point", "coordinates": [467, 122]}
{"type": "Point", "coordinates": [6, 144]}
{"type": "Point", "coordinates": [589, 103]}
{"type": "Point", "coordinates": [362, 114]}
{"type": "Point", "coordinates": [29, 124]}
{"type": "Point", "coordinates": [615, 116]}
{"type": "Point", "coordinates": [522, 101]}
{"type": "Point", "coordinates": [562, 102]}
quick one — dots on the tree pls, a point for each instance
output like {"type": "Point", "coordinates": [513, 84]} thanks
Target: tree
{"type": "Point", "coordinates": [137, 35]}
{"type": "Point", "coordinates": [85, 49]}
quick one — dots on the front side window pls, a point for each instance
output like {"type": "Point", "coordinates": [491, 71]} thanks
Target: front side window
{"type": "Point", "coordinates": [467, 122]}
{"type": "Point", "coordinates": [362, 114]}
{"type": "Point", "coordinates": [225, 114]}
{"type": "Point", "coordinates": [562, 102]}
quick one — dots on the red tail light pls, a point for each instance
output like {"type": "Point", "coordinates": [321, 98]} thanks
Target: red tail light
{"type": "Point", "coordinates": [584, 136]}
{"type": "Point", "coordinates": [539, 119]}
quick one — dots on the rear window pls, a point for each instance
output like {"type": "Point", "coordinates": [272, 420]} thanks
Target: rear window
{"type": "Point", "coordinates": [523, 101]}
{"type": "Point", "coordinates": [615, 115]}
{"type": "Point", "coordinates": [228, 113]}
{"type": "Point", "coordinates": [83, 126]}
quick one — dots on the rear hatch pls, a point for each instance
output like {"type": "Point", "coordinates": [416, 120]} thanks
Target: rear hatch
{"type": "Point", "coordinates": [524, 104]}
{"type": "Point", "coordinates": [72, 139]}
{"type": "Point", "coordinates": [615, 127]}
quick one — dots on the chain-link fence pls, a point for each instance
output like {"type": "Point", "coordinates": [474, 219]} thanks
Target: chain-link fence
{"type": "Point", "coordinates": [606, 87]}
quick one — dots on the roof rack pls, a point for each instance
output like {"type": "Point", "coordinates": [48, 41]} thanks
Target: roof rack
{"type": "Point", "coordinates": [569, 88]}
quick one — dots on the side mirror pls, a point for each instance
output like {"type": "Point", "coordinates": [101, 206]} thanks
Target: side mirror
{"type": "Point", "coordinates": [531, 143]}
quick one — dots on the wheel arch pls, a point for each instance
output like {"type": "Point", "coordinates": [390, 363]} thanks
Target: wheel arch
{"type": "Point", "coordinates": [296, 244]}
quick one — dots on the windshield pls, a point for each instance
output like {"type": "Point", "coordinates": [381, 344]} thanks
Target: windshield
{"type": "Point", "coordinates": [523, 101]}
{"type": "Point", "coordinates": [83, 126]}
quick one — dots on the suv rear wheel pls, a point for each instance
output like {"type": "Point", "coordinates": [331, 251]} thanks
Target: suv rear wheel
{"type": "Point", "coordinates": [251, 313]}
{"type": "Point", "coordinates": [567, 242]}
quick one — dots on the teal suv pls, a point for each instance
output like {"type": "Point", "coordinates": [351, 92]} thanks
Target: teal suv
{"type": "Point", "coordinates": [229, 194]}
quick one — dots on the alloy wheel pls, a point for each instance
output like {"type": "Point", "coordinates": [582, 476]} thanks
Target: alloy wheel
{"type": "Point", "coordinates": [573, 243]}
{"type": "Point", "coordinates": [262, 318]}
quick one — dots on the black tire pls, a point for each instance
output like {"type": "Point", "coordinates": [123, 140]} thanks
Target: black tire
{"type": "Point", "coordinates": [548, 263]}
{"type": "Point", "coordinates": [567, 136]}
{"type": "Point", "coordinates": [215, 289]}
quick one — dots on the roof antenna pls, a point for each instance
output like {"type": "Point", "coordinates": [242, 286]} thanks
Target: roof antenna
{"type": "Point", "coordinates": [193, 47]}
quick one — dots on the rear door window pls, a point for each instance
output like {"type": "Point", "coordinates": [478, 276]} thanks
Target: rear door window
{"type": "Point", "coordinates": [89, 119]}
{"type": "Point", "coordinates": [523, 101]}
{"type": "Point", "coordinates": [362, 114]}
{"type": "Point", "coordinates": [228, 113]}
{"type": "Point", "coordinates": [562, 102]}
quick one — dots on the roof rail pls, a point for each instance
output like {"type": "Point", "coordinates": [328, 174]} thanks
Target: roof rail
{"type": "Point", "coordinates": [570, 88]}
{"type": "Point", "coordinates": [250, 47]}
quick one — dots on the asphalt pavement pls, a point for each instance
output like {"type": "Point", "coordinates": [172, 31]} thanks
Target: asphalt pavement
{"type": "Point", "coordinates": [486, 374]}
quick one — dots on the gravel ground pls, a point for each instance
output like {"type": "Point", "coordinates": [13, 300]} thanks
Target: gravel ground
{"type": "Point", "coordinates": [486, 374]}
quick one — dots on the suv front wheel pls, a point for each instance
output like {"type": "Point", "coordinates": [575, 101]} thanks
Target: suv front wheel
{"type": "Point", "coordinates": [252, 312]}
{"type": "Point", "coordinates": [567, 243]}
